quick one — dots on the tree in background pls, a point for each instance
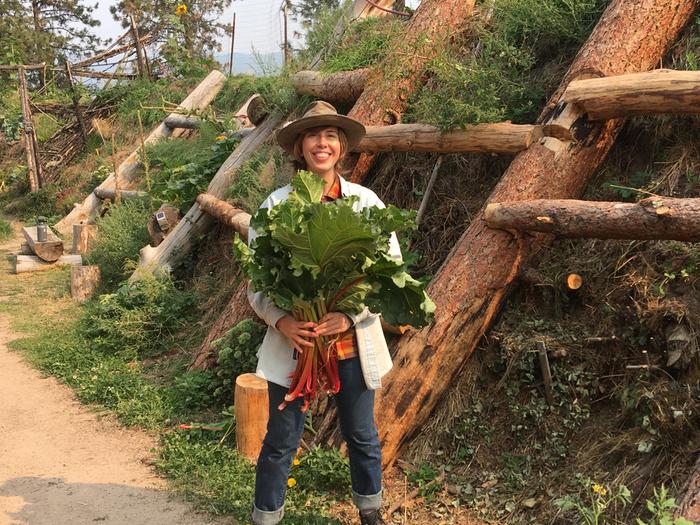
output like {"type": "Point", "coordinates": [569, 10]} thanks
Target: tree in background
{"type": "Point", "coordinates": [188, 30]}
{"type": "Point", "coordinates": [306, 11]}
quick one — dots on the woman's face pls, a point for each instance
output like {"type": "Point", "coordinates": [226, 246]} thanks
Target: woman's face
{"type": "Point", "coordinates": [321, 149]}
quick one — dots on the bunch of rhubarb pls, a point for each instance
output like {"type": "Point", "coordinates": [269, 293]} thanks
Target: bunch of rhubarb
{"type": "Point", "coordinates": [311, 258]}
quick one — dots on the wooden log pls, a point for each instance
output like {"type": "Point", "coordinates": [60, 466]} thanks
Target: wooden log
{"type": "Point", "coordinates": [49, 250]}
{"type": "Point", "coordinates": [251, 409]}
{"type": "Point", "coordinates": [470, 287]}
{"type": "Point", "coordinates": [111, 193]}
{"type": "Point", "coordinates": [660, 91]}
{"type": "Point", "coordinates": [385, 97]}
{"type": "Point", "coordinates": [88, 73]}
{"type": "Point", "coordinates": [31, 146]}
{"type": "Point", "coordinates": [26, 67]}
{"type": "Point", "coordinates": [76, 104]}
{"type": "Point", "coordinates": [158, 230]}
{"type": "Point", "coordinates": [340, 88]}
{"type": "Point", "coordinates": [182, 121]}
{"type": "Point", "coordinates": [651, 218]}
{"type": "Point", "coordinates": [179, 242]}
{"type": "Point", "coordinates": [32, 263]}
{"type": "Point", "coordinates": [226, 214]}
{"type": "Point", "coordinates": [84, 236]}
{"type": "Point", "coordinates": [128, 170]}
{"type": "Point", "coordinates": [24, 249]}
{"type": "Point", "coordinates": [84, 281]}
{"type": "Point", "coordinates": [502, 137]}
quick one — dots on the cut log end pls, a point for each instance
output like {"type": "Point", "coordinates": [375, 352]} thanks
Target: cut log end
{"type": "Point", "coordinates": [251, 408]}
{"type": "Point", "coordinates": [574, 281]}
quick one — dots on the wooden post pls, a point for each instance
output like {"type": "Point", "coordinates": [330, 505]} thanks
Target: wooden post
{"type": "Point", "coordinates": [76, 103]}
{"type": "Point", "coordinates": [546, 372]}
{"type": "Point", "coordinates": [251, 409]}
{"type": "Point", "coordinates": [30, 143]}
{"type": "Point", "coordinates": [84, 236]}
{"type": "Point", "coordinates": [286, 42]}
{"type": "Point", "coordinates": [84, 281]}
{"type": "Point", "coordinates": [140, 60]}
{"type": "Point", "coordinates": [233, 37]}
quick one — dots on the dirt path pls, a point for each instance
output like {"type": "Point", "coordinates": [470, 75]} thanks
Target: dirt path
{"type": "Point", "coordinates": [61, 464]}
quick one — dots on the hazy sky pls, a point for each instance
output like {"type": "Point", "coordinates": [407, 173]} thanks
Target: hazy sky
{"type": "Point", "coordinates": [258, 24]}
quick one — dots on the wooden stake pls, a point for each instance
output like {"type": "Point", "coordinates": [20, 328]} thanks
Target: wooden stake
{"type": "Point", "coordinates": [140, 61]}
{"type": "Point", "coordinates": [144, 156]}
{"type": "Point", "coordinates": [30, 144]}
{"type": "Point", "coordinates": [76, 103]}
{"type": "Point", "coordinates": [546, 372]}
{"type": "Point", "coordinates": [117, 193]}
{"type": "Point", "coordinates": [428, 191]}
{"type": "Point", "coordinates": [233, 37]}
{"type": "Point", "coordinates": [285, 9]}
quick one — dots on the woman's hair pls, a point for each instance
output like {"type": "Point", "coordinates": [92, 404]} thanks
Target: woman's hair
{"type": "Point", "coordinates": [298, 155]}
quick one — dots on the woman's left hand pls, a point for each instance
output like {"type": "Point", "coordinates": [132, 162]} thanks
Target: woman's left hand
{"type": "Point", "coordinates": [333, 323]}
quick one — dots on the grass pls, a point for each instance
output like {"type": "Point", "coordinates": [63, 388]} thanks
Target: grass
{"type": "Point", "coordinates": [6, 231]}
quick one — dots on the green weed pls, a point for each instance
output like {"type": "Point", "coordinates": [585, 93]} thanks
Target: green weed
{"type": "Point", "coordinates": [247, 191]}
{"type": "Point", "coordinates": [121, 234]}
{"type": "Point", "coordinates": [6, 231]}
{"type": "Point", "coordinates": [661, 510]}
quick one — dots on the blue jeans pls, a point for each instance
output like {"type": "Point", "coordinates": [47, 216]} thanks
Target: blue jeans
{"type": "Point", "coordinates": [285, 428]}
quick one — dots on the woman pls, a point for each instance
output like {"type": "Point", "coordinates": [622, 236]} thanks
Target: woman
{"type": "Point", "coordinates": [318, 141]}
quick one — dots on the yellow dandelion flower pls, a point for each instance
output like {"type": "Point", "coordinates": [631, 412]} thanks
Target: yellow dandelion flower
{"type": "Point", "coordinates": [296, 462]}
{"type": "Point", "coordinates": [221, 137]}
{"type": "Point", "coordinates": [291, 482]}
{"type": "Point", "coordinates": [600, 489]}
{"type": "Point", "coordinates": [181, 9]}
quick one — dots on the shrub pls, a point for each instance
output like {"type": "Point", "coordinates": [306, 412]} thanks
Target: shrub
{"type": "Point", "coordinates": [139, 319]}
{"type": "Point", "coordinates": [323, 469]}
{"type": "Point", "coordinates": [121, 234]}
{"type": "Point", "coordinates": [192, 390]}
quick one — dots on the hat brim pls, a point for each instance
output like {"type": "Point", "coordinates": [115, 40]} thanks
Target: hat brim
{"type": "Point", "coordinates": [287, 136]}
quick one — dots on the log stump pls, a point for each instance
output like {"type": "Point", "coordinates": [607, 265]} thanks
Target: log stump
{"type": "Point", "coordinates": [84, 280]}
{"type": "Point", "coordinates": [251, 408]}
{"type": "Point", "coordinates": [84, 236]}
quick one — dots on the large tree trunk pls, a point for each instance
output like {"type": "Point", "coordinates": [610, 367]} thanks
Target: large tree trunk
{"type": "Point", "coordinates": [128, 170]}
{"type": "Point", "coordinates": [501, 137]}
{"type": "Point", "coordinates": [472, 284]}
{"type": "Point", "coordinates": [385, 97]}
{"type": "Point", "coordinates": [342, 88]}
{"type": "Point", "coordinates": [650, 218]}
{"type": "Point", "coordinates": [660, 91]}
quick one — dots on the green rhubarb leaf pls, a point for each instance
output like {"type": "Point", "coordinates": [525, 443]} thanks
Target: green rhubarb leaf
{"type": "Point", "coordinates": [308, 186]}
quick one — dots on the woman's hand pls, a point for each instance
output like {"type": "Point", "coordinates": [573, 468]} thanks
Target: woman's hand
{"type": "Point", "coordinates": [296, 332]}
{"type": "Point", "coordinates": [333, 323]}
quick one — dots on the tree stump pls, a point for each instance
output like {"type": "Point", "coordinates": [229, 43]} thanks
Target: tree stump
{"type": "Point", "coordinates": [251, 407]}
{"type": "Point", "coordinates": [159, 230]}
{"type": "Point", "coordinates": [84, 236]}
{"type": "Point", "coordinates": [84, 280]}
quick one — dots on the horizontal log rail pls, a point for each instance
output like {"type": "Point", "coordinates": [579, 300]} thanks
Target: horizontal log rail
{"type": "Point", "coordinates": [27, 67]}
{"type": "Point", "coordinates": [653, 218]}
{"type": "Point", "coordinates": [111, 194]}
{"type": "Point", "coordinates": [99, 74]}
{"type": "Point", "coordinates": [344, 87]}
{"type": "Point", "coordinates": [486, 138]}
{"type": "Point", "coordinates": [182, 121]}
{"type": "Point", "coordinates": [654, 92]}
{"type": "Point", "coordinates": [225, 213]}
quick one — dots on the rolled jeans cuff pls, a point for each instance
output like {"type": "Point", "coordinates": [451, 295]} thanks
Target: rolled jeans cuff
{"type": "Point", "coordinates": [370, 502]}
{"type": "Point", "coordinates": [267, 517]}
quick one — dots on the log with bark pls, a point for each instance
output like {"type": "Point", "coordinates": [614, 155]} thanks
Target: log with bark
{"type": "Point", "coordinates": [178, 243]}
{"type": "Point", "coordinates": [226, 214]}
{"type": "Point", "coordinates": [470, 287]}
{"type": "Point", "coordinates": [84, 281]}
{"type": "Point", "coordinates": [182, 121]}
{"type": "Point", "coordinates": [128, 170]}
{"type": "Point", "coordinates": [660, 91]}
{"type": "Point", "coordinates": [32, 263]}
{"type": "Point", "coordinates": [386, 95]}
{"type": "Point", "coordinates": [339, 88]}
{"type": "Point", "coordinates": [502, 137]}
{"type": "Point", "coordinates": [49, 250]}
{"type": "Point", "coordinates": [650, 218]}
{"type": "Point", "coordinates": [251, 410]}
{"type": "Point", "coordinates": [111, 194]}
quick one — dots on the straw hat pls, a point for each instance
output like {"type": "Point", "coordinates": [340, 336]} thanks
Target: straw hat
{"type": "Point", "coordinates": [317, 114]}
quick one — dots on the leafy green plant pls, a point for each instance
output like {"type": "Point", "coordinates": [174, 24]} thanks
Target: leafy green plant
{"type": "Point", "coordinates": [323, 469]}
{"type": "Point", "coordinates": [139, 319]}
{"type": "Point", "coordinates": [247, 190]}
{"type": "Point", "coordinates": [237, 355]}
{"type": "Point", "coordinates": [598, 498]}
{"type": "Point", "coordinates": [661, 508]}
{"type": "Point", "coordinates": [121, 234]}
{"type": "Point", "coordinates": [423, 477]}
{"type": "Point", "coordinates": [6, 231]}
{"type": "Point", "coordinates": [192, 390]}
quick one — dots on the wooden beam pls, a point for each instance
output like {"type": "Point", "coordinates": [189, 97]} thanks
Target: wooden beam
{"type": "Point", "coordinates": [226, 214]}
{"type": "Point", "coordinates": [650, 93]}
{"type": "Point", "coordinates": [31, 146]}
{"type": "Point", "coordinates": [472, 284]}
{"type": "Point", "coordinates": [27, 67]}
{"type": "Point", "coordinates": [76, 103]}
{"type": "Point", "coordinates": [182, 121]}
{"type": "Point", "coordinates": [111, 194]}
{"type": "Point", "coordinates": [128, 170]}
{"type": "Point", "coordinates": [49, 250]}
{"type": "Point", "coordinates": [32, 263]}
{"type": "Point", "coordinates": [343, 88]}
{"type": "Point", "coordinates": [650, 218]}
{"type": "Point", "coordinates": [486, 138]}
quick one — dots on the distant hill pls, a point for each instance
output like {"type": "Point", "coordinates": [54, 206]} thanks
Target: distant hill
{"type": "Point", "coordinates": [251, 64]}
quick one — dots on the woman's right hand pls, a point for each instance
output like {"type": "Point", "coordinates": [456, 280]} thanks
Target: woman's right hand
{"type": "Point", "coordinates": [296, 331]}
